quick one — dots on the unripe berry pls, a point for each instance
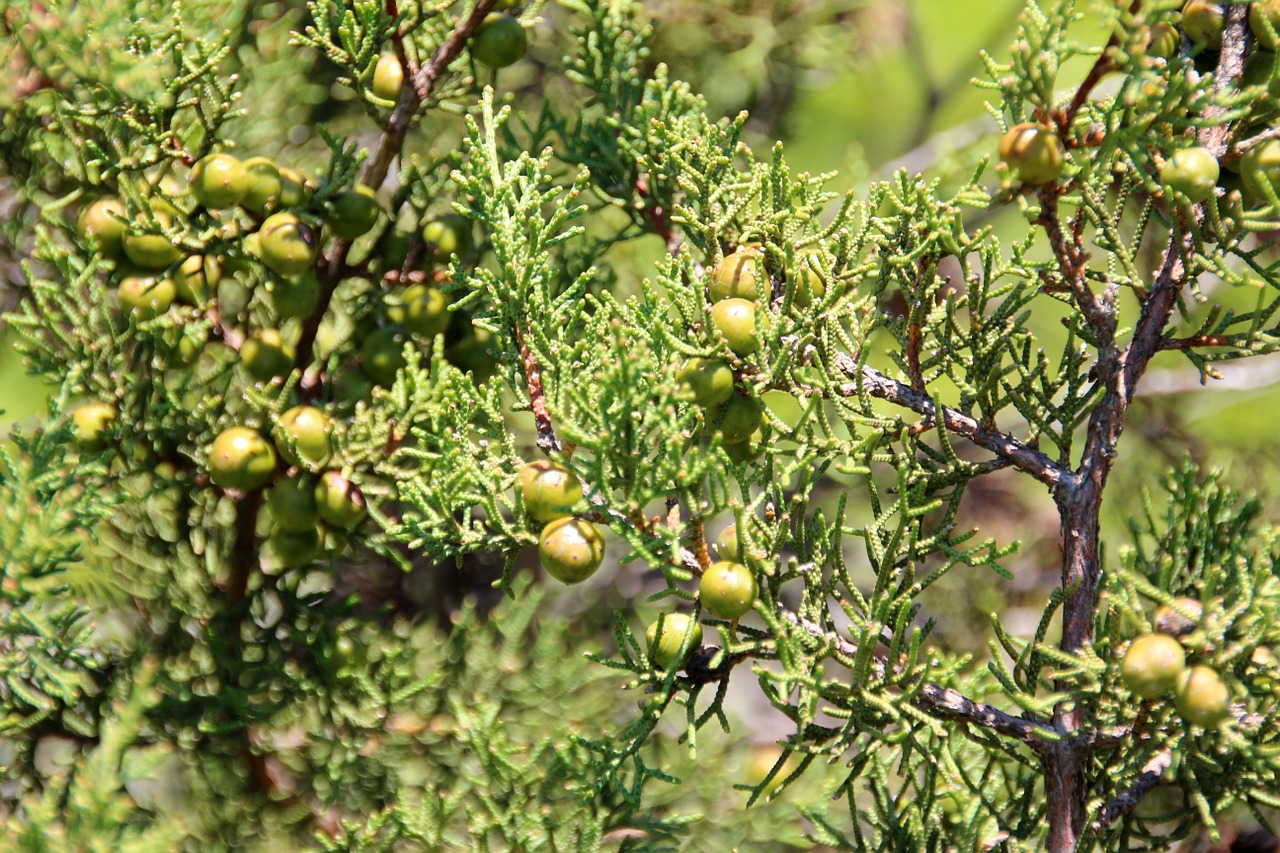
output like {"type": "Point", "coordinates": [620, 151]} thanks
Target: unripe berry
{"type": "Point", "coordinates": [354, 212]}
{"type": "Point", "coordinates": [266, 354]}
{"type": "Point", "coordinates": [727, 543]}
{"type": "Point", "coordinates": [736, 321]}
{"type": "Point", "coordinates": [382, 354]}
{"type": "Point", "coordinates": [1260, 168]}
{"type": "Point", "coordinates": [1035, 152]}
{"type": "Point", "coordinates": [445, 237]}
{"type": "Point", "coordinates": [293, 188]}
{"type": "Point", "coordinates": [665, 650]}
{"type": "Point", "coordinates": [92, 421]}
{"type": "Point", "coordinates": [1192, 172]}
{"type": "Point", "coordinates": [293, 549]}
{"type": "Point", "coordinates": [1268, 11]}
{"type": "Point", "coordinates": [728, 589]}
{"type": "Point", "coordinates": [499, 41]}
{"type": "Point", "coordinates": [1202, 22]}
{"type": "Point", "coordinates": [1164, 41]}
{"type": "Point", "coordinates": [388, 77]}
{"type": "Point", "coordinates": [146, 297]}
{"type": "Point", "coordinates": [262, 193]}
{"type": "Point", "coordinates": [240, 458]}
{"type": "Point", "coordinates": [287, 244]}
{"type": "Point", "coordinates": [571, 550]}
{"type": "Point", "coordinates": [807, 283]}
{"type": "Point", "coordinates": [1202, 697]}
{"type": "Point", "coordinates": [219, 181]}
{"type": "Point", "coordinates": [708, 379]}
{"type": "Point", "coordinates": [737, 419]}
{"type": "Point", "coordinates": [1152, 664]}
{"type": "Point", "coordinates": [309, 429]}
{"type": "Point", "coordinates": [339, 502]}
{"type": "Point", "coordinates": [150, 250]}
{"type": "Point", "coordinates": [548, 490]}
{"type": "Point", "coordinates": [293, 505]}
{"type": "Point", "coordinates": [295, 296]}
{"type": "Point", "coordinates": [423, 310]}
{"type": "Point", "coordinates": [101, 224]}
{"type": "Point", "coordinates": [737, 275]}
{"type": "Point", "coordinates": [196, 278]}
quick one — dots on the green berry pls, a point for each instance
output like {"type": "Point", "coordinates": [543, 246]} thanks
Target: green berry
{"type": "Point", "coordinates": [1260, 168]}
{"type": "Point", "coordinates": [293, 505]}
{"type": "Point", "coordinates": [1268, 11]}
{"type": "Point", "coordinates": [264, 184]}
{"type": "Point", "coordinates": [1202, 697]}
{"type": "Point", "coordinates": [499, 41]}
{"type": "Point", "coordinates": [1192, 172]}
{"type": "Point", "coordinates": [287, 244]}
{"type": "Point", "coordinates": [219, 181]}
{"type": "Point", "coordinates": [101, 224]}
{"type": "Point", "coordinates": [708, 379]}
{"type": "Point", "coordinates": [196, 279]}
{"type": "Point", "coordinates": [92, 421]}
{"type": "Point", "coordinates": [150, 250]}
{"type": "Point", "coordinates": [1152, 665]}
{"type": "Point", "coordinates": [240, 458]}
{"type": "Point", "coordinates": [665, 650]}
{"type": "Point", "coordinates": [748, 451]}
{"type": "Point", "coordinates": [728, 590]}
{"type": "Point", "coordinates": [266, 354]}
{"type": "Point", "coordinates": [309, 428]}
{"type": "Point", "coordinates": [548, 490]}
{"type": "Point", "coordinates": [445, 237]}
{"type": "Point", "coordinates": [808, 284]}
{"type": "Point", "coordinates": [727, 543]}
{"type": "Point", "coordinates": [295, 296]}
{"type": "Point", "coordinates": [382, 354]}
{"type": "Point", "coordinates": [737, 419]}
{"type": "Point", "coordinates": [388, 78]}
{"type": "Point", "coordinates": [423, 310]}
{"type": "Point", "coordinates": [145, 297]}
{"type": "Point", "coordinates": [1202, 22]}
{"type": "Point", "coordinates": [293, 549]}
{"type": "Point", "coordinates": [736, 320]}
{"type": "Point", "coordinates": [354, 212]}
{"type": "Point", "coordinates": [1164, 41]}
{"type": "Point", "coordinates": [1035, 152]}
{"type": "Point", "coordinates": [339, 501]}
{"type": "Point", "coordinates": [571, 549]}
{"type": "Point", "coordinates": [293, 188]}
{"type": "Point", "coordinates": [738, 275]}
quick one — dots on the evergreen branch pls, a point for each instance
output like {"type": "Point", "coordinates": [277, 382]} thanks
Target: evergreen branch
{"type": "Point", "coordinates": [1018, 454]}
{"type": "Point", "coordinates": [1126, 802]}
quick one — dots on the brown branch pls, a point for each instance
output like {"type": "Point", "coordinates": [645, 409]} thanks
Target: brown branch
{"type": "Point", "coordinates": [243, 556]}
{"type": "Point", "coordinates": [1020, 455]}
{"type": "Point", "coordinates": [547, 440]}
{"type": "Point", "coordinates": [1194, 341]}
{"type": "Point", "coordinates": [1126, 802]}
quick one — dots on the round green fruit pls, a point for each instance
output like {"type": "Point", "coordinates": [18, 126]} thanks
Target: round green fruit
{"type": "Point", "coordinates": [145, 297]}
{"type": "Point", "coordinates": [548, 490]}
{"type": "Point", "coordinates": [150, 250]}
{"type": "Point", "coordinates": [665, 650]}
{"type": "Point", "coordinates": [101, 224]}
{"type": "Point", "coordinates": [708, 379]}
{"type": "Point", "coordinates": [748, 451]}
{"type": "Point", "coordinates": [727, 543]}
{"type": "Point", "coordinates": [1170, 621]}
{"type": "Point", "coordinates": [287, 244]}
{"type": "Point", "coordinates": [219, 181]}
{"type": "Point", "coordinates": [446, 237]}
{"type": "Point", "coordinates": [309, 429]}
{"type": "Point", "coordinates": [191, 345]}
{"type": "Point", "coordinates": [571, 549]}
{"type": "Point", "coordinates": [499, 41]}
{"type": "Point", "coordinates": [92, 421]}
{"type": "Point", "coordinates": [1164, 41]}
{"type": "Point", "coordinates": [1267, 11]}
{"type": "Point", "coordinates": [736, 320]}
{"type": "Point", "coordinates": [1202, 22]}
{"type": "Point", "coordinates": [197, 278]}
{"type": "Point", "coordinates": [266, 354]}
{"type": "Point", "coordinates": [354, 212]}
{"type": "Point", "coordinates": [382, 354]}
{"type": "Point", "coordinates": [339, 501]}
{"type": "Point", "coordinates": [423, 310]}
{"type": "Point", "coordinates": [262, 192]}
{"type": "Point", "coordinates": [808, 284]}
{"type": "Point", "coordinates": [388, 78]}
{"type": "Point", "coordinates": [1260, 168]}
{"type": "Point", "coordinates": [1202, 697]}
{"type": "Point", "coordinates": [293, 505]}
{"type": "Point", "coordinates": [728, 590]}
{"type": "Point", "coordinates": [1152, 665]}
{"type": "Point", "coordinates": [738, 275]}
{"type": "Point", "coordinates": [1034, 152]}
{"type": "Point", "coordinates": [295, 296]}
{"type": "Point", "coordinates": [1257, 71]}
{"type": "Point", "coordinates": [240, 458]}
{"type": "Point", "coordinates": [294, 549]}
{"type": "Point", "coordinates": [737, 419]}
{"type": "Point", "coordinates": [1193, 172]}
{"type": "Point", "coordinates": [293, 188]}
{"type": "Point", "coordinates": [393, 249]}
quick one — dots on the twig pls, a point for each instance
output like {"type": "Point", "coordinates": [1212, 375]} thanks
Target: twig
{"type": "Point", "coordinates": [547, 440]}
{"type": "Point", "coordinates": [1126, 802]}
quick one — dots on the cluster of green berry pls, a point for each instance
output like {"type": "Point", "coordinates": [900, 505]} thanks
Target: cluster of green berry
{"type": "Point", "coordinates": [1155, 665]}
{"type": "Point", "coordinates": [1037, 155]}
